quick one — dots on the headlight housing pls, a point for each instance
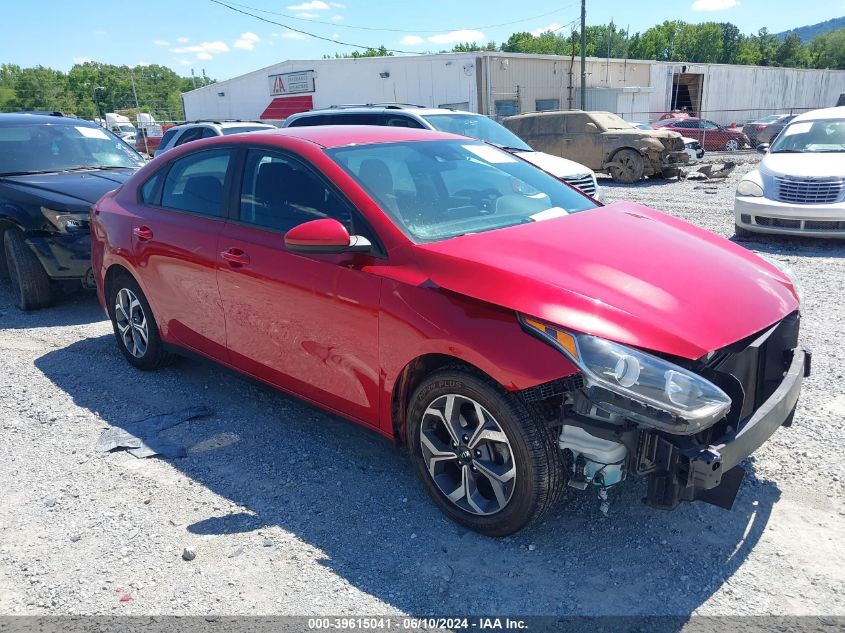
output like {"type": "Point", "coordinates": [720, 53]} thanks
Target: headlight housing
{"type": "Point", "coordinates": [653, 391]}
{"type": "Point", "coordinates": [66, 221]}
{"type": "Point", "coordinates": [749, 188]}
{"type": "Point", "coordinates": [789, 273]}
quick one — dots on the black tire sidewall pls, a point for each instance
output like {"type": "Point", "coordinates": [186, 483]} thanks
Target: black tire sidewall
{"type": "Point", "coordinates": [522, 505]}
{"type": "Point", "coordinates": [29, 280]}
{"type": "Point", "coordinates": [154, 351]}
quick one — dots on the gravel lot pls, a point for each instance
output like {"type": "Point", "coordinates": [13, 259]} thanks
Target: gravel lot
{"type": "Point", "coordinates": [293, 511]}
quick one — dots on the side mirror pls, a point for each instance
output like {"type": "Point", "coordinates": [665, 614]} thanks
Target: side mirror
{"type": "Point", "coordinates": [590, 128]}
{"type": "Point", "coordinates": [325, 236]}
{"type": "Point", "coordinates": [762, 148]}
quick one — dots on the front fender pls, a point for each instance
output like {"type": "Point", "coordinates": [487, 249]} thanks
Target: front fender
{"type": "Point", "coordinates": [416, 321]}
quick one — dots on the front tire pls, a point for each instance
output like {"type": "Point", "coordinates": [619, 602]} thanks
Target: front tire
{"type": "Point", "coordinates": [30, 283]}
{"type": "Point", "coordinates": [732, 145]}
{"type": "Point", "coordinates": [629, 166]}
{"type": "Point", "coordinates": [740, 231]}
{"type": "Point", "coordinates": [134, 325]}
{"type": "Point", "coordinates": [484, 457]}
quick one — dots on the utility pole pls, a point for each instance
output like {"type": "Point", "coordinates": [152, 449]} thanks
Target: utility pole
{"type": "Point", "coordinates": [583, 54]}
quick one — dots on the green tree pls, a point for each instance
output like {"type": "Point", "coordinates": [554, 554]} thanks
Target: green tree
{"type": "Point", "coordinates": [828, 51]}
{"type": "Point", "coordinates": [792, 52]}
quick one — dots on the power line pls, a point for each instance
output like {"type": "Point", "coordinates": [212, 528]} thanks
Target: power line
{"type": "Point", "coordinates": [319, 37]}
{"type": "Point", "coordinates": [373, 28]}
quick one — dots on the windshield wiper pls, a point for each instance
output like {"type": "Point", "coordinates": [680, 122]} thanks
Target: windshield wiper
{"type": "Point", "coordinates": [29, 173]}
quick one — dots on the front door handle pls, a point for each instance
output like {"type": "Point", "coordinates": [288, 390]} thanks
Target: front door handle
{"type": "Point", "coordinates": [235, 256]}
{"type": "Point", "coordinates": [143, 233]}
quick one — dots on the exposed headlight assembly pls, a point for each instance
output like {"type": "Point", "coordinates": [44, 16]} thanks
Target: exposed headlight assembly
{"type": "Point", "coordinates": [653, 391]}
{"type": "Point", "coordinates": [66, 222]}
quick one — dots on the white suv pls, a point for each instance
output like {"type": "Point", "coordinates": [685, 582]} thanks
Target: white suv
{"type": "Point", "coordinates": [187, 132]}
{"type": "Point", "coordinates": [457, 122]}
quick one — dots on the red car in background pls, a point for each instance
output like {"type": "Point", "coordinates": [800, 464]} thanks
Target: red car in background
{"type": "Point", "coordinates": [517, 335]}
{"type": "Point", "coordinates": [712, 136]}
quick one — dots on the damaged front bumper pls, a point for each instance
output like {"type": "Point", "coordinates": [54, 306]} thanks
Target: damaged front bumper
{"type": "Point", "coordinates": [65, 257]}
{"type": "Point", "coordinates": [712, 474]}
{"type": "Point", "coordinates": [604, 444]}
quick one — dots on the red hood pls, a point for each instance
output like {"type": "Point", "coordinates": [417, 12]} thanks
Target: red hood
{"type": "Point", "coordinates": [622, 272]}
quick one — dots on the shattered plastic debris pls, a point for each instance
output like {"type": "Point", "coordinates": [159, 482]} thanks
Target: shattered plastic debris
{"type": "Point", "coordinates": [141, 439]}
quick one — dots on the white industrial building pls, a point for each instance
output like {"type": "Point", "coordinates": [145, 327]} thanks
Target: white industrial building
{"type": "Point", "coordinates": [501, 84]}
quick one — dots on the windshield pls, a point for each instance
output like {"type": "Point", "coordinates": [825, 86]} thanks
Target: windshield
{"type": "Point", "coordinates": [41, 148]}
{"type": "Point", "coordinates": [480, 127]}
{"type": "Point", "coordinates": [245, 128]}
{"type": "Point", "coordinates": [435, 190]}
{"type": "Point", "coordinates": [827, 135]}
{"type": "Point", "coordinates": [126, 128]}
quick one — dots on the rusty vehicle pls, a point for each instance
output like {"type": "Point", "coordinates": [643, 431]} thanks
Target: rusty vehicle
{"type": "Point", "coordinates": [603, 142]}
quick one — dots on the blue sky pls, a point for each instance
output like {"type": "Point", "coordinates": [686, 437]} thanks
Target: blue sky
{"type": "Point", "coordinates": [185, 34]}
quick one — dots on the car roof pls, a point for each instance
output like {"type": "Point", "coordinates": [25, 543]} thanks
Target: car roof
{"type": "Point", "coordinates": [824, 113]}
{"type": "Point", "coordinates": [386, 109]}
{"type": "Point", "coordinates": [19, 118]}
{"type": "Point", "coordinates": [222, 124]}
{"type": "Point", "coordinates": [330, 136]}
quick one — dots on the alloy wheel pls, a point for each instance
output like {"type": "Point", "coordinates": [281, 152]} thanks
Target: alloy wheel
{"type": "Point", "coordinates": [467, 454]}
{"type": "Point", "coordinates": [131, 322]}
{"type": "Point", "coordinates": [732, 145]}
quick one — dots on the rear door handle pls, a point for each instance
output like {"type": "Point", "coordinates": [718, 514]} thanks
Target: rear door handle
{"type": "Point", "coordinates": [235, 256]}
{"type": "Point", "coordinates": [143, 233]}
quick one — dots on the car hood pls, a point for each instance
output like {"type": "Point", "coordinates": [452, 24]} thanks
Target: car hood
{"type": "Point", "coordinates": [75, 187]}
{"type": "Point", "coordinates": [555, 165]}
{"type": "Point", "coordinates": [622, 272]}
{"type": "Point", "coordinates": [807, 165]}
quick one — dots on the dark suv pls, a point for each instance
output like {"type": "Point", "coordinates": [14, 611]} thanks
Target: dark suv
{"type": "Point", "coordinates": [52, 169]}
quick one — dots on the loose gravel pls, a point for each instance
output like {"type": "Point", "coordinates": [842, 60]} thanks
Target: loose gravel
{"type": "Point", "coordinates": [279, 508]}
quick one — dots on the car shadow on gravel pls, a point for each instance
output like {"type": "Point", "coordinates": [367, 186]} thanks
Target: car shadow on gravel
{"type": "Point", "coordinates": [789, 245]}
{"type": "Point", "coordinates": [78, 308]}
{"type": "Point", "coordinates": [348, 493]}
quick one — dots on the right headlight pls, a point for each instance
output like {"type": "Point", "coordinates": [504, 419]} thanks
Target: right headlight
{"type": "Point", "coordinates": [749, 188]}
{"type": "Point", "coordinates": [640, 384]}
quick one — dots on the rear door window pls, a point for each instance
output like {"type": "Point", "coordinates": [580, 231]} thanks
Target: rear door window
{"type": "Point", "coordinates": [195, 183]}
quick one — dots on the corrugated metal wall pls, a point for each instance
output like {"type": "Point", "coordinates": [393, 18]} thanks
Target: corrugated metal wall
{"type": "Point", "coordinates": [638, 90]}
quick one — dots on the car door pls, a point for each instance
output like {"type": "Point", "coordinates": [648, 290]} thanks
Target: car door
{"type": "Point", "coordinates": [583, 146]}
{"type": "Point", "coordinates": [305, 323]}
{"type": "Point", "coordinates": [175, 239]}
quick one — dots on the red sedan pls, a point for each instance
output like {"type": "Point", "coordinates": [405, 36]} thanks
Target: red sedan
{"type": "Point", "coordinates": [516, 335]}
{"type": "Point", "coordinates": [713, 136]}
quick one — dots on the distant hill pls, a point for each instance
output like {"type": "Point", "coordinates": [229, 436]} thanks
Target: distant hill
{"type": "Point", "coordinates": [807, 33]}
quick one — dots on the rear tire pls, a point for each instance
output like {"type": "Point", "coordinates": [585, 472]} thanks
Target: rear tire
{"type": "Point", "coordinates": [494, 482]}
{"type": "Point", "coordinates": [629, 166]}
{"type": "Point", "coordinates": [30, 283]}
{"type": "Point", "coordinates": [134, 325]}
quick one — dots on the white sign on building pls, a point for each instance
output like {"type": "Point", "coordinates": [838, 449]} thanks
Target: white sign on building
{"type": "Point", "coordinates": [292, 83]}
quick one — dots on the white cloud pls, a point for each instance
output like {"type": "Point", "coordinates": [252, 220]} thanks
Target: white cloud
{"type": "Point", "coordinates": [161, 42]}
{"type": "Point", "coordinates": [337, 5]}
{"type": "Point", "coordinates": [144, 63]}
{"type": "Point", "coordinates": [337, 18]}
{"type": "Point", "coordinates": [308, 16]}
{"type": "Point", "coordinates": [183, 39]}
{"type": "Point", "coordinates": [554, 26]}
{"type": "Point", "coordinates": [290, 35]}
{"type": "Point", "coordinates": [82, 60]}
{"type": "Point", "coordinates": [204, 51]}
{"type": "Point", "coordinates": [314, 5]}
{"type": "Point", "coordinates": [411, 40]}
{"type": "Point", "coordinates": [713, 5]}
{"type": "Point", "coordinates": [247, 41]}
{"type": "Point", "coordinates": [184, 62]}
{"type": "Point", "coordinates": [100, 32]}
{"type": "Point", "coordinates": [453, 37]}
